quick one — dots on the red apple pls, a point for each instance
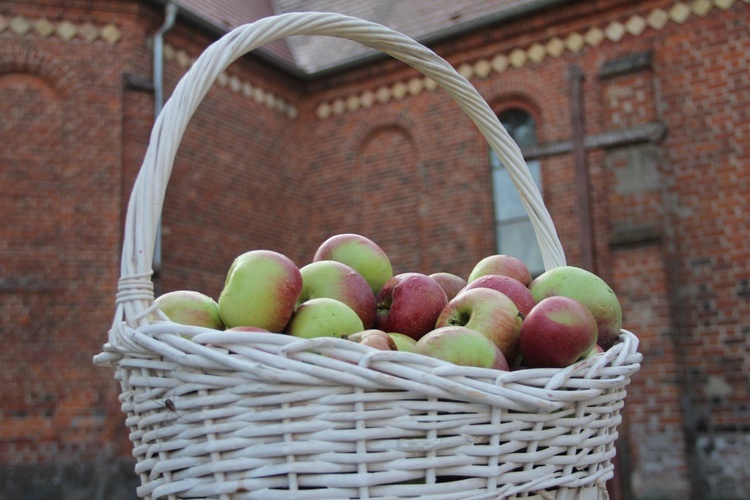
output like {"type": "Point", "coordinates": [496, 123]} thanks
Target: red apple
{"type": "Point", "coordinates": [335, 280]}
{"type": "Point", "coordinates": [489, 312]}
{"type": "Point", "coordinates": [557, 332]}
{"type": "Point", "coordinates": [449, 282]}
{"type": "Point", "coordinates": [462, 346]}
{"type": "Point", "coordinates": [409, 303]}
{"type": "Point", "coordinates": [360, 253]}
{"type": "Point", "coordinates": [514, 289]}
{"type": "Point", "coordinates": [505, 265]}
{"type": "Point", "coordinates": [588, 289]}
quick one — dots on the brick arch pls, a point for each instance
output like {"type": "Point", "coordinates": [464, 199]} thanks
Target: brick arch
{"type": "Point", "coordinates": [41, 64]}
{"type": "Point", "coordinates": [385, 155]}
{"type": "Point", "coordinates": [538, 101]}
{"type": "Point", "coordinates": [37, 87]}
{"type": "Point", "coordinates": [365, 128]}
{"type": "Point", "coordinates": [30, 164]}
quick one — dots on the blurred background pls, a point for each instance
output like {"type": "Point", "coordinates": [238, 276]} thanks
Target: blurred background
{"type": "Point", "coordinates": [633, 117]}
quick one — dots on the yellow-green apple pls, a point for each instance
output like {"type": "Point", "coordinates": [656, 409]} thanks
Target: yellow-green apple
{"type": "Point", "coordinates": [504, 265]}
{"type": "Point", "coordinates": [588, 289]}
{"type": "Point", "coordinates": [361, 253]}
{"type": "Point", "coordinates": [514, 289]}
{"type": "Point", "coordinates": [189, 307]}
{"type": "Point", "coordinates": [449, 282]}
{"type": "Point", "coordinates": [489, 312]}
{"type": "Point", "coordinates": [335, 280]}
{"type": "Point", "coordinates": [247, 329]}
{"type": "Point", "coordinates": [261, 289]}
{"type": "Point", "coordinates": [377, 339]}
{"type": "Point", "coordinates": [557, 332]}
{"type": "Point", "coordinates": [324, 317]}
{"type": "Point", "coordinates": [409, 303]}
{"type": "Point", "coordinates": [403, 342]}
{"type": "Point", "coordinates": [462, 346]}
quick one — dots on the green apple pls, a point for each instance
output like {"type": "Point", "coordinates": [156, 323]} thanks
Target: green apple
{"type": "Point", "coordinates": [188, 307]}
{"type": "Point", "coordinates": [254, 329]}
{"type": "Point", "coordinates": [504, 265]}
{"type": "Point", "coordinates": [360, 253]}
{"type": "Point", "coordinates": [261, 289]}
{"type": "Point", "coordinates": [324, 317]}
{"type": "Point", "coordinates": [335, 280]}
{"type": "Point", "coordinates": [403, 342]}
{"type": "Point", "coordinates": [462, 346]}
{"type": "Point", "coordinates": [588, 289]}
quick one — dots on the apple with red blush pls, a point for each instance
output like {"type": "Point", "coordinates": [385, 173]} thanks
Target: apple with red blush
{"type": "Point", "coordinates": [514, 289]}
{"type": "Point", "coordinates": [489, 312]}
{"type": "Point", "coordinates": [504, 265]}
{"type": "Point", "coordinates": [377, 339]}
{"type": "Point", "coordinates": [336, 280]}
{"type": "Point", "coordinates": [461, 346]}
{"type": "Point", "coordinates": [360, 253]}
{"type": "Point", "coordinates": [557, 332]}
{"type": "Point", "coordinates": [588, 289]}
{"type": "Point", "coordinates": [261, 289]}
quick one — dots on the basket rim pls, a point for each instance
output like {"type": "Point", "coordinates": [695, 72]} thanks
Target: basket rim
{"type": "Point", "coordinates": [283, 359]}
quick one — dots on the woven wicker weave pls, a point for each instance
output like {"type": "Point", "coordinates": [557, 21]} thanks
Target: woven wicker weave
{"type": "Point", "coordinates": [257, 415]}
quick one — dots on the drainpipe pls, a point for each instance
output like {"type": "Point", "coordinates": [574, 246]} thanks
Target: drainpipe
{"type": "Point", "coordinates": [170, 13]}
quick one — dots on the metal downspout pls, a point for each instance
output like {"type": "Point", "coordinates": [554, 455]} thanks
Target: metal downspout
{"type": "Point", "coordinates": [170, 13]}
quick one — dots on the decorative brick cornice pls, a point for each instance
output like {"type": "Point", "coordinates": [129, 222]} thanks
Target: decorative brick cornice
{"type": "Point", "coordinates": [64, 30]}
{"type": "Point", "coordinates": [67, 31]}
{"type": "Point", "coordinates": [235, 84]}
{"type": "Point", "coordinates": [574, 42]}
{"type": "Point", "coordinates": [554, 47]}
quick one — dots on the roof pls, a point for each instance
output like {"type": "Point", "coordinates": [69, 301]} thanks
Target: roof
{"type": "Point", "coordinates": [423, 20]}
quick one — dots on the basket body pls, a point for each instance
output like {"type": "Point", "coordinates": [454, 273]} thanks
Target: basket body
{"type": "Point", "coordinates": [269, 416]}
{"type": "Point", "coordinates": [263, 415]}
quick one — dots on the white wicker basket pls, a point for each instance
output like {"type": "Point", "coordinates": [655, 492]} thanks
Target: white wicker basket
{"type": "Point", "coordinates": [258, 415]}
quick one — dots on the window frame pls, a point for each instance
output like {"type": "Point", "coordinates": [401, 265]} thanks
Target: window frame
{"type": "Point", "coordinates": [533, 261]}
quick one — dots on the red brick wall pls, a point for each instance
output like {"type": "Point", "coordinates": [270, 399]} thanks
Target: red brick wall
{"type": "Point", "coordinates": [236, 166]}
{"type": "Point", "coordinates": [61, 167]}
{"type": "Point", "coordinates": [412, 173]}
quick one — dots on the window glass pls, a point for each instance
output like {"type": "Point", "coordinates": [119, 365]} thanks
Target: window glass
{"type": "Point", "coordinates": [513, 230]}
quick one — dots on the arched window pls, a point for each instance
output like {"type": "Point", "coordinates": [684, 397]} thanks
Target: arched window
{"type": "Point", "coordinates": [514, 233]}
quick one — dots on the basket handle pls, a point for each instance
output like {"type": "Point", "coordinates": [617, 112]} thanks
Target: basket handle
{"type": "Point", "coordinates": [135, 290]}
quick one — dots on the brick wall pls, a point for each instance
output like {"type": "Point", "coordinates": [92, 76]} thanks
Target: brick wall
{"type": "Point", "coordinates": [61, 171]}
{"type": "Point", "coordinates": [271, 162]}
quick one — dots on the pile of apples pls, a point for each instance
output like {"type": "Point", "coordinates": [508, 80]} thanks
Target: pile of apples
{"type": "Point", "coordinates": [498, 317]}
